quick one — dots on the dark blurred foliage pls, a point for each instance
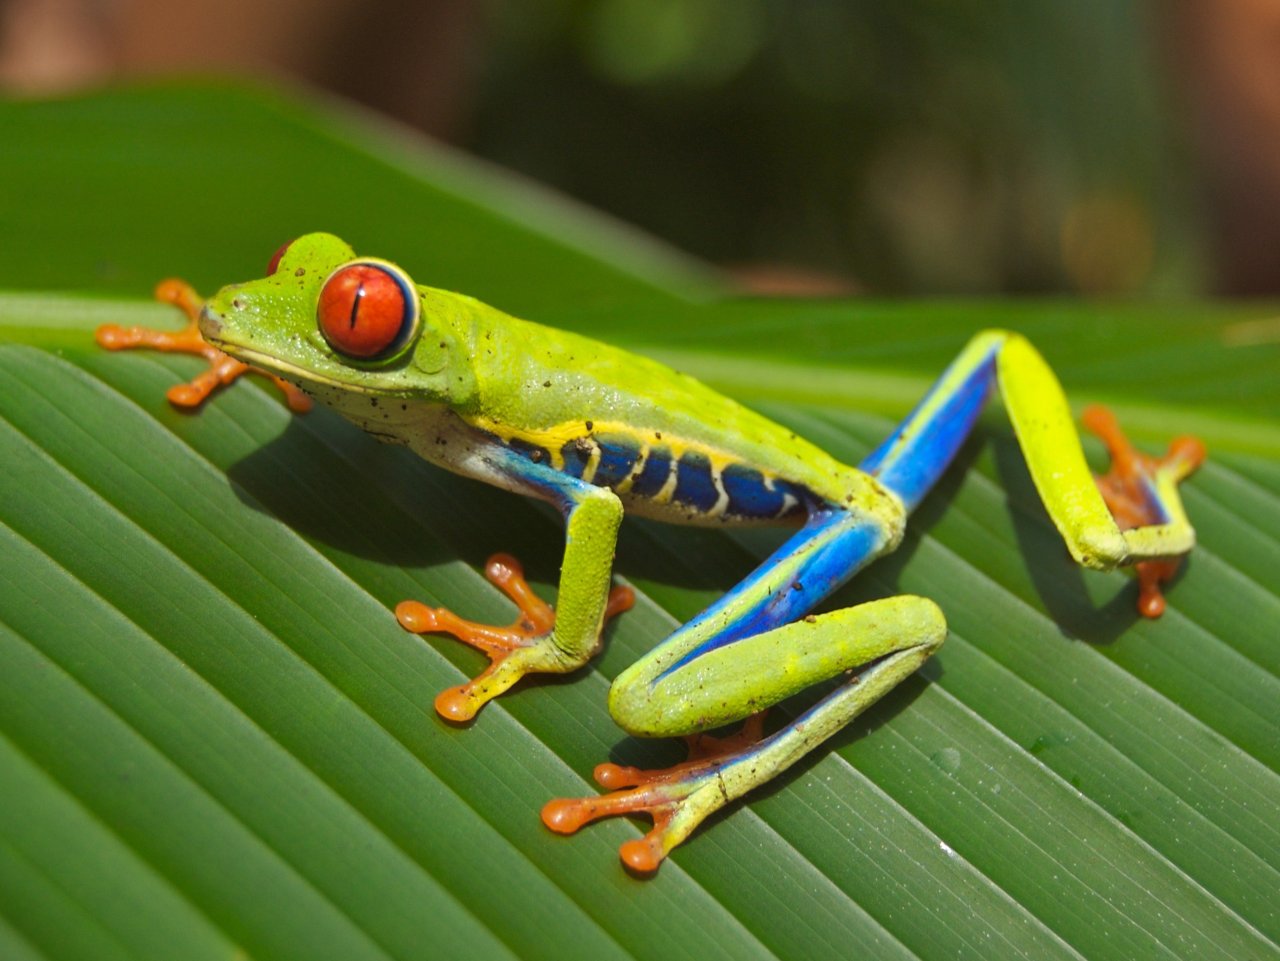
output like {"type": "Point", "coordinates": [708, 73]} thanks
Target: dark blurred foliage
{"type": "Point", "coordinates": [1103, 147]}
{"type": "Point", "coordinates": [926, 146]}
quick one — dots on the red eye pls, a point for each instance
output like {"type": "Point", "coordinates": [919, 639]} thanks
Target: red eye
{"type": "Point", "coordinates": [368, 311]}
{"type": "Point", "coordinates": [275, 258]}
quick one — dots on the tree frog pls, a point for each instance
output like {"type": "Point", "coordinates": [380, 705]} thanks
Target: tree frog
{"type": "Point", "coordinates": [597, 431]}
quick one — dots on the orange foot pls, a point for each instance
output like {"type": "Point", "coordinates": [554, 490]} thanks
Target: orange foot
{"type": "Point", "coordinates": [222, 368]}
{"type": "Point", "coordinates": [678, 798]}
{"type": "Point", "coordinates": [512, 650]}
{"type": "Point", "coordinates": [1130, 490]}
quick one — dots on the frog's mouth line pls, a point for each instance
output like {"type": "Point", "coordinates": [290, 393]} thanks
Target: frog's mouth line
{"type": "Point", "coordinates": [277, 366]}
{"type": "Point", "coordinates": [211, 330]}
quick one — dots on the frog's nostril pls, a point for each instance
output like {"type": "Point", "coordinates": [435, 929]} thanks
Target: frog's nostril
{"type": "Point", "coordinates": [237, 304]}
{"type": "Point", "coordinates": [210, 324]}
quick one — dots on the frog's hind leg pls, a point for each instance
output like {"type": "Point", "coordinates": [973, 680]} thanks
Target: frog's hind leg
{"type": "Point", "coordinates": [1142, 491]}
{"type": "Point", "coordinates": [743, 654]}
{"type": "Point", "coordinates": [1132, 516]}
{"type": "Point", "coordinates": [883, 642]}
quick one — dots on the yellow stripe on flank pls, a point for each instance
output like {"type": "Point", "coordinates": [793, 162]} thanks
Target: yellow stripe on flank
{"type": "Point", "coordinates": [663, 496]}
{"type": "Point", "coordinates": [593, 463]}
{"type": "Point", "coordinates": [636, 470]}
{"type": "Point", "coordinates": [554, 438]}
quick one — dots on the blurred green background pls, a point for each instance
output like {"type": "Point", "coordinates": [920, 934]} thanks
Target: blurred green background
{"type": "Point", "coordinates": [1102, 147]}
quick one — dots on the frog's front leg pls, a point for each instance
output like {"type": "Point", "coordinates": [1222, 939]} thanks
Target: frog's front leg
{"type": "Point", "coordinates": [222, 369]}
{"type": "Point", "coordinates": [745, 653]}
{"type": "Point", "coordinates": [541, 640]}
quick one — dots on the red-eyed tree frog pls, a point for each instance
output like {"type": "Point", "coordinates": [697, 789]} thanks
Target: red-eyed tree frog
{"type": "Point", "coordinates": [597, 431]}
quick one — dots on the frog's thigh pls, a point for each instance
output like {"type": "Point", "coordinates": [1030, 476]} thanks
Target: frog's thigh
{"type": "Point", "coordinates": [892, 637]}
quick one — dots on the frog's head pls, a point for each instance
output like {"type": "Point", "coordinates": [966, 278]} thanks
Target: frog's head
{"type": "Point", "coordinates": [329, 321]}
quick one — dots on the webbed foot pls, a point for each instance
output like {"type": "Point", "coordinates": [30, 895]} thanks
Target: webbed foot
{"type": "Point", "coordinates": [223, 369]}
{"type": "Point", "coordinates": [523, 647]}
{"type": "Point", "coordinates": [1135, 489]}
{"type": "Point", "coordinates": [678, 798]}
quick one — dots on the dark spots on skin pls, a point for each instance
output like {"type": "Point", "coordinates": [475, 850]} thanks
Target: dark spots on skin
{"type": "Point", "coordinates": [590, 427]}
{"type": "Point", "coordinates": [531, 451]}
{"type": "Point", "coordinates": [300, 272]}
{"type": "Point", "coordinates": [576, 454]}
{"type": "Point", "coordinates": [546, 383]}
{"type": "Point", "coordinates": [810, 619]}
{"type": "Point", "coordinates": [657, 434]}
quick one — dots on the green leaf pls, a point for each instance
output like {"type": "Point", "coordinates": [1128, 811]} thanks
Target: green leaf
{"type": "Point", "coordinates": [215, 740]}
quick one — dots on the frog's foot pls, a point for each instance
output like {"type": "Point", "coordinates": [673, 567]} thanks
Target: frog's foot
{"type": "Point", "coordinates": [678, 798]}
{"type": "Point", "coordinates": [522, 648]}
{"type": "Point", "coordinates": [223, 369]}
{"type": "Point", "coordinates": [1138, 489]}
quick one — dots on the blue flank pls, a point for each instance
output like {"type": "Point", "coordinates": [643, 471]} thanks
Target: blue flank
{"type": "Point", "coordinates": [695, 487]}
{"type": "Point", "coordinates": [749, 497]}
{"type": "Point", "coordinates": [654, 473]}
{"type": "Point", "coordinates": [575, 455]}
{"type": "Point", "coordinates": [616, 460]}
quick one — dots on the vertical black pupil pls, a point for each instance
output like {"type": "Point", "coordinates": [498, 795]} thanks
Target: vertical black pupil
{"type": "Point", "coordinates": [355, 305]}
